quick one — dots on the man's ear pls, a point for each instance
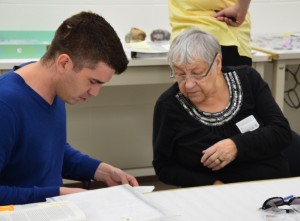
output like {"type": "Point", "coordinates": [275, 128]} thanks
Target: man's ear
{"type": "Point", "coordinates": [63, 63]}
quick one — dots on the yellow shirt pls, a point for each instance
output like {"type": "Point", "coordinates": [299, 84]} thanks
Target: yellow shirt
{"type": "Point", "coordinates": [184, 14]}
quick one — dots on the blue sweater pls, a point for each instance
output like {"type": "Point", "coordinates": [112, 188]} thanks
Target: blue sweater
{"type": "Point", "coordinates": [34, 154]}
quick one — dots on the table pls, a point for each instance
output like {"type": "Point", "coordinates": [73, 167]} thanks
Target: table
{"type": "Point", "coordinates": [280, 60]}
{"type": "Point", "coordinates": [259, 59]}
{"type": "Point", "coordinates": [284, 50]}
{"type": "Point", "coordinates": [227, 202]}
{"type": "Point", "coordinates": [232, 202]}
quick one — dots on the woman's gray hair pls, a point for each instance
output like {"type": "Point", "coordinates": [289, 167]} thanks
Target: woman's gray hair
{"type": "Point", "coordinates": [190, 44]}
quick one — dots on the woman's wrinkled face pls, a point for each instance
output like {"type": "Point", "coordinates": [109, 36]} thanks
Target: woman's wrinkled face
{"type": "Point", "coordinates": [196, 81]}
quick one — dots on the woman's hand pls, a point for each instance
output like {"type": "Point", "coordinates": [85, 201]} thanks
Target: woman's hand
{"type": "Point", "coordinates": [219, 155]}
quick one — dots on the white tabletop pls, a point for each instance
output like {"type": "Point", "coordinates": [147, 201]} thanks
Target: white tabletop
{"type": "Point", "coordinates": [282, 46]}
{"type": "Point", "coordinates": [228, 202]}
{"type": "Point", "coordinates": [232, 202]}
{"type": "Point", "coordinates": [281, 54]}
{"type": "Point", "coordinates": [7, 64]}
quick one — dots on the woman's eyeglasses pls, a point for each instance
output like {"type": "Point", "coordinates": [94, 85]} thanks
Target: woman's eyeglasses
{"type": "Point", "coordinates": [182, 78]}
{"type": "Point", "coordinates": [279, 201]}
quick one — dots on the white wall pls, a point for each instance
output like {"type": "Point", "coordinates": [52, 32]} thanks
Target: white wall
{"type": "Point", "coordinates": [48, 15]}
{"type": "Point", "coordinates": [275, 16]}
{"type": "Point", "coordinates": [268, 16]}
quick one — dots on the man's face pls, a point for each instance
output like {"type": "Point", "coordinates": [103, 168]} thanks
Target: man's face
{"type": "Point", "coordinates": [81, 85]}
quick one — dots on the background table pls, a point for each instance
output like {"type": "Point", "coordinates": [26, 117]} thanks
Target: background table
{"type": "Point", "coordinates": [284, 50]}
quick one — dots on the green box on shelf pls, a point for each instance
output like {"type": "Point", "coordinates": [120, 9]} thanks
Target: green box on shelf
{"type": "Point", "coordinates": [24, 44]}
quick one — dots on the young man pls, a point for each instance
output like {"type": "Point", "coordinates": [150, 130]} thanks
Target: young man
{"type": "Point", "coordinates": [34, 154]}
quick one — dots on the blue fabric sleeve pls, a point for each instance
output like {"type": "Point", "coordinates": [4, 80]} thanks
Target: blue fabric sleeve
{"type": "Point", "coordinates": [19, 195]}
{"type": "Point", "coordinates": [77, 165]}
{"type": "Point", "coordinates": [41, 193]}
{"type": "Point", "coordinates": [13, 194]}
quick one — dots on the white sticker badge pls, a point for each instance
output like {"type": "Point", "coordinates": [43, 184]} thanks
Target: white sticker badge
{"type": "Point", "coordinates": [247, 124]}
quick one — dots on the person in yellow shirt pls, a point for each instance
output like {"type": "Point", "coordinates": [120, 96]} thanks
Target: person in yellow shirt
{"type": "Point", "coordinates": [228, 20]}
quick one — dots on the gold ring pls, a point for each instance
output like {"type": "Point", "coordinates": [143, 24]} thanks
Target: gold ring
{"type": "Point", "coordinates": [220, 159]}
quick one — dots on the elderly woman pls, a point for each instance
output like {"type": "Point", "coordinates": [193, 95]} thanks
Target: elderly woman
{"type": "Point", "coordinates": [216, 125]}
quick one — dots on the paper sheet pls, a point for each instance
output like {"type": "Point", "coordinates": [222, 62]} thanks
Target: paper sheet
{"type": "Point", "coordinates": [55, 211]}
{"type": "Point", "coordinates": [119, 203]}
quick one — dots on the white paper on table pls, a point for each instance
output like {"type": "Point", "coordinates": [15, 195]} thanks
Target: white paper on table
{"type": "Point", "coordinates": [52, 211]}
{"type": "Point", "coordinates": [118, 203]}
{"type": "Point", "coordinates": [144, 189]}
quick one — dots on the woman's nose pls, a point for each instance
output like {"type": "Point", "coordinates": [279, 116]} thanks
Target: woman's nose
{"type": "Point", "coordinates": [189, 82]}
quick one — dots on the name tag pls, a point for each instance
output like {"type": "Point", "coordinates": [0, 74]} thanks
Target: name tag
{"type": "Point", "coordinates": [247, 124]}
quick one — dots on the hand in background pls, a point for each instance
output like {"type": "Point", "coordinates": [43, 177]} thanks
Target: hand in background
{"type": "Point", "coordinates": [113, 176]}
{"type": "Point", "coordinates": [219, 155]}
{"type": "Point", "coordinates": [234, 15]}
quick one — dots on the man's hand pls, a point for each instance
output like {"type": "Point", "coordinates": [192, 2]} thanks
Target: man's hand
{"type": "Point", "coordinates": [69, 190]}
{"type": "Point", "coordinates": [219, 155]}
{"type": "Point", "coordinates": [113, 176]}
